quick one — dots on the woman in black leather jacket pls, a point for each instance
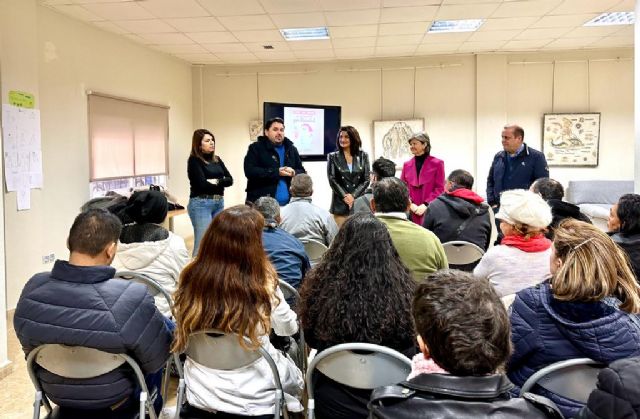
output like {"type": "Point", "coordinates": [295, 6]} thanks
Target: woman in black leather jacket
{"type": "Point", "coordinates": [348, 173]}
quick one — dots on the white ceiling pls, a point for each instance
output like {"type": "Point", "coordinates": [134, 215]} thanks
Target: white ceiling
{"type": "Point", "coordinates": [236, 31]}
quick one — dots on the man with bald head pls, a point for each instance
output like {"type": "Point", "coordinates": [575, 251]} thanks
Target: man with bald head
{"type": "Point", "coordinates": [517, 166]}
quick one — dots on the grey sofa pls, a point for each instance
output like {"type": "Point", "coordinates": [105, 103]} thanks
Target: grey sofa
{"type": "Point", "coordinates": [596, 197]}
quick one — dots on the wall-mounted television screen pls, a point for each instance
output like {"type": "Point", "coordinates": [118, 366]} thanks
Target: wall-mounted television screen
{"type": "Point", "coordinates": [312, 128]}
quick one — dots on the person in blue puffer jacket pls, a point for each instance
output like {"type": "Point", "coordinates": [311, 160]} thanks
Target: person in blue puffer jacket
{"type": "Point", "coordinates": [79, 303]}
{"type": "Point", "coordinates": [587, 309]}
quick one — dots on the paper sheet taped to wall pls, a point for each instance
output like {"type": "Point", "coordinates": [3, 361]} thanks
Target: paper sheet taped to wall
{"type": "Point", "coordinates": [22, 148]}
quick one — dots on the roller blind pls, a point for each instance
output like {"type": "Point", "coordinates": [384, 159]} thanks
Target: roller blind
{"type": "Point", "coordinates": [127, 138]}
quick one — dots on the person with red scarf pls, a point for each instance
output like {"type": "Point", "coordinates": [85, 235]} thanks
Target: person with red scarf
{"type": "Point", "coordinates": [522, 258]}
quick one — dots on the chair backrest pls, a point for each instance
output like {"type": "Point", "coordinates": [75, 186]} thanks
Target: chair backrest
{"type": "Point", "coordinates": [315, 250]}
{"type": "Point", "coordinates": [574, 378]}
{"type": "Point", "coordinates": [361, 365]}
{"type": "Point", "coordinates": [494, 229]}
{"type": "Point", "coordinates": [76, 361]}
{"type": "Point", "coordinates": [218, 350]}
{"type": "Point", "coordinates": [288, 291]}
{"type": "Point", "coordinates": [153, 286]}
{"type": "Point", "coordinates": [462, 253]}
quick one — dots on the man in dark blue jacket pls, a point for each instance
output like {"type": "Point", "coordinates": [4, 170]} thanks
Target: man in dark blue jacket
{"type": "Point", "coordinates": [79, 304]}
{"type": "Point", "coordinates": [515, 167]}
{"type": "Point", "coordinates": [270, 164]}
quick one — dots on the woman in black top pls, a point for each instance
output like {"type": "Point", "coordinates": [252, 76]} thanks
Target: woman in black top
{"type": "Point", "coordinates": [208, 177]}
{"type": "Point", "coordinates": [348, 173]}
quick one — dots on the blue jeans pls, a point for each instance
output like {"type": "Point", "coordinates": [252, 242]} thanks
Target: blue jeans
{"type": "Point", "coordinates": [201, 211]}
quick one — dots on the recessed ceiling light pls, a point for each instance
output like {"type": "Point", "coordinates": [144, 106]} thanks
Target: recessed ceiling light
{"type": "Point", "coordinates": [466, 25]}
{"type": "Point", "coordinates": [305, 34]}
{"type": "Point", "coordinates": [615, 18]}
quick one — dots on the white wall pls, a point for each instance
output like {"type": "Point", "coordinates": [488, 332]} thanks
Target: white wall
{"type": "Point", "coordinates": [73, 57]}
{"type": "Point", "coordinates": [465, 101]}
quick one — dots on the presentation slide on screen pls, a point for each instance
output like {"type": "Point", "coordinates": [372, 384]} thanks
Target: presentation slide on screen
{"type": "Point", "coordinates": [305, 127]}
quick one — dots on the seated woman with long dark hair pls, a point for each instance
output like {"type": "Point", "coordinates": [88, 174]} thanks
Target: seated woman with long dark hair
{"type": "Point", "coordinates": [231, 286]}
{"type": "Point", "coordinates": [359, 292]}
{"type": "Point", "coordinates": [587, 310]}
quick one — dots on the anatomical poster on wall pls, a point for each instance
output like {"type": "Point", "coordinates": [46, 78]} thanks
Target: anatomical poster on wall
{"type": "Point", "coordinates": [391, 139]}
{"type": "Point", "coordinates": [571, 139]}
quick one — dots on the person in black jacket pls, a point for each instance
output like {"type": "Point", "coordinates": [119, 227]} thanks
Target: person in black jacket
{"type": "Point", "coordinates": [459, 213]}
{"type": "Point", "coordinates": [618, 393]}
{"type": "Point", "coordinates": [79, 304]}
{"type": "Point", "coordinates": [463, 334]}
{"type": "Point", "coordinates": [208, 176]}
{"type": "Point", "coordinates": [552, 191]}
{"type": "Point", "coordinates": [348, 173]}
{"type": "Point", "coordinates": [624, 227]}
{"type": "Point", "coordinates": [270, 164]}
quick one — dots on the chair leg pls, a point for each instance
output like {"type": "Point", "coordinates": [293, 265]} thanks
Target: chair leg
{"type": "Point", "coordinates": [310, 408]}
{"type": "Point", "coordinates": [36, 405]}
{"type": "Point", "coordinates": [278, 404]}
{"type": "Point", "coordinates": [165, 379]}
{"type": "Point", "coordinates": [180, 399]}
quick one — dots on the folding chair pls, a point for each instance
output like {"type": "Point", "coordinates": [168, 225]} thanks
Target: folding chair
{"type": "Point", "coordinates": [370, 367]}
{"type": "Point", "coordinates": [218, 350]}
{"type": "Point", "coordinates": [315, 250]}
{"type": "Point", "coordinates": [290, 292]}
{"type": "Point", "coordinates": [494, 229]}
{"type": "Point", "coordinates": [462, 253]}
{"type": "Point", "coordinates": [155, 289]}
{"type": "Point", "coordinates": [573, 379]}
{"type": "Point", "coordinates": [81, 363]}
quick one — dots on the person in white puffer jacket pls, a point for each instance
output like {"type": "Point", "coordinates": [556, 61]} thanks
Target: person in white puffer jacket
{"type": "Point", "coordinates": [148, 248]}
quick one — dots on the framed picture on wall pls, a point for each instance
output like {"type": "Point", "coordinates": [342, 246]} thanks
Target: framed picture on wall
{"type": "Point", "coordinates": [255, 129]}
{"type": "Point", "coordinates": [391, 139]}
{"type": "Point", "coordinates": [571, 139]}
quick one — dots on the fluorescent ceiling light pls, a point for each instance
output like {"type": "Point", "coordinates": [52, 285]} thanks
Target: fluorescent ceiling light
{"type": "Point", "coordinates": [466, 25]}
{"type": "Point", "coordinates": [305, 34]}
{"type": "Point", "coordinates": [610, 19]}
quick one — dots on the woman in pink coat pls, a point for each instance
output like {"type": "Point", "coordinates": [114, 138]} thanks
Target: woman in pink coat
{"type": "Point", "coordinates": [424, 175]}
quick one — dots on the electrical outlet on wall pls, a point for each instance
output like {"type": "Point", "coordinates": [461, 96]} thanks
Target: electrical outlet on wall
{"type": "Point", "coordinates": [52, 257]}
{"type": "Point", "coordinates": [45, 259]}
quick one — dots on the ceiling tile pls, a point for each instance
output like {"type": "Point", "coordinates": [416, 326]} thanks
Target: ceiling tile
{"type": "Point", "coordinates": [246, 23]}
{"type": "Point", "coordinates": [331, 5]}
{"type": "Point", "coordinates": [145, 26]}
{"type": "Point", "coordinates": [354, 52]}
{"type": "Point", "coordinates": [565, 21]}
{"type": "Point", "coordinates": [111, 27]}
{"type": "Point", "coordinates": [232, 7]}
{"type": "Point", "coordinates": [299, 20]}
{"type": "Point", "coordinates": [525, 8]}
{"type": "Point", "coordinates": [290, 6]}
{"type": "Point", "coordinates": [438, 48]}
{"type": "Point", "coordinates": [481, 46]}
{"type": "Point", "coordinates": [613, 41]}
{"type": "Point", "coordinates": [119, 11]}
{"type": "Point", "coordinates": [172, 8]}
{"type": "Point", "coordinates": [494, 35]}
{"type": "Point", "coordinates": [306, 45]}
{"type": "Point", "coordinates": [401, 50]}
{"type": "Point", "coordinates": [466, 11]}
{"type": "Point", "coordinates": [408, 14]}
{"type": "Point", "coordinates": [570, 7]}
{"type": "Point", "coordinates": [56, 2]}
{"type": "Point", "coordinates": [259, 46]}
{"type": "Point", "coordinates": [182, 49]}
{"type": "Point", "coordinates": [314, 54]}
{"type": "Point", "coordinates": [196, 24]}
{"type": "Point", "coordinates": [268, 56]}
{"type": "Point", "coordinates": [78, 12]}
{"type": "Point", "coordinates": [349, 18]}
{"type": "Point", "coordinates": [369, 41]}
{"type": "Point", "coordinates": [236, 57]}
{"type": "Point", "coordinates": [541, 33]}
{"type": "Point", "coordinates": [259, 36]}
{"type": "Point", "coordinates": [507, 23]}
{"type": "Point", "coordinates": [406, 3]}
{"type": "Point", "coordinates": [93, 1]}
{"type": "Point", "coordinates": [406, 28]}
{"type": "Point", "coordinates": [627, 30]}
{"type": "Point", "coordinates": [572, 43]}
{"type": "Point", "coordinates": [388, 41]}
{"type": "Point", "coordinates": [233, 47]}
{"type": "Point", "coordinates": [211, 37]}
{"type": "Point", "coordinates": [447, 2]}
{"type": "Point", "coordinates": [624, 6]}
{"type": "Point", "coordinates": [199, 58]}
{"type": "Point", "coordinates": [137, 38]}
{"type": "Point", "coordinates": [446, 38]}
{"type": "Point", "coordinates": [352, 31]}
{"type": "Point", "coordinates": [167, 38]}
{"type": "Point", "coordinates": [527, 44]}
{"type": "Point", "coordinates": [589, 31]}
